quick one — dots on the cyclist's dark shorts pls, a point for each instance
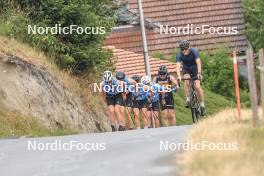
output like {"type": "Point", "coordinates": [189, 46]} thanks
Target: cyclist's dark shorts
{"type": "Point", "coordinates": [129, 100]}
{"type": "Point", "coordinates": [115, 100]}
{"type": "Point", "coordinates": [154, 106]}
{"type": "Point", "coordinates": [169, 101]}
{"type": "Point", "coordinates": [139, 104]}
{"type": "Point", "coordinates": [192, 71]}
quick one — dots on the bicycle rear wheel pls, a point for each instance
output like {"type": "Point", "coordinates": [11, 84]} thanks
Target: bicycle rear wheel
{"type": "Point", "coordinates": [195, 108]}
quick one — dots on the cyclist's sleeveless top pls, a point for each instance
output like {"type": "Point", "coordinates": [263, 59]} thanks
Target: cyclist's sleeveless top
{"type": "Point", "coordinates": [127, 83]}
{"type": "Point", "coordinates": [139, 94]}
{"type": "Point", "coordinates": [155, 89]}
{"type": "Point", "coordinates": [164, 82]}
{"type": "Point", "coordinates": [111, 89]}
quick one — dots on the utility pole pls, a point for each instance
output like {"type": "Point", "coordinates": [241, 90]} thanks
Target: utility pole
{"type": "Point", "coordinates": [261, 62]}
{"type": "Point", "coordinates": [145, 46]}
{"type": "Point", "coordinates": [144, 38]}
{"type": "Point", "coordinates": [252, 87]}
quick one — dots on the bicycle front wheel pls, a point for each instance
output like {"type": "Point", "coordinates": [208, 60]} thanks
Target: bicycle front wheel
{"type": "Point", "coordinates": [194, 115]}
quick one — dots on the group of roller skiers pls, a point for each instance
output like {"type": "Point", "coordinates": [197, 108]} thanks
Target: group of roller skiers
{"type": "Point", "coordinates": [130, 96]}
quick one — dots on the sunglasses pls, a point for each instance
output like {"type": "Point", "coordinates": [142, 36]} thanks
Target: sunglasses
{"type": "Point", "coordinates": [184, 49]}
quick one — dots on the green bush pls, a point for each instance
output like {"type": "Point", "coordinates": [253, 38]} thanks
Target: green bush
{"type": "Point", "coordinates": [218, 73]}
{"type": "Point", "coordinates": [174, 54]}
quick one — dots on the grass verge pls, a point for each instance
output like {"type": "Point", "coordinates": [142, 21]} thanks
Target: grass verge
{"type": "Point", "coordinates": [13, 124]}
{"type": "Point", "coordinates": [214, 103]}
{"type": "Point", "coordinates": [223, 128]}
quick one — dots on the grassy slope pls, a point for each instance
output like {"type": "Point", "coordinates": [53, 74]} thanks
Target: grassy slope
{"type": "Point", "coordinates": [214, 103]}
{"type": "Point", "coordinates": [13, 124]}
{"type": "Point", "coordinates": [223, 128]}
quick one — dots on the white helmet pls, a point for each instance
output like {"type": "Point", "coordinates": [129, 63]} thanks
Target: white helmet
{"type": "Point", "coordinates": [145, 80]}
{"type": "Point", "coordinates": [107, 76]}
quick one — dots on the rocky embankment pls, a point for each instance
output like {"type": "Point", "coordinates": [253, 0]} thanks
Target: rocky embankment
{"type": "Point", "coordinates": [31, 90]}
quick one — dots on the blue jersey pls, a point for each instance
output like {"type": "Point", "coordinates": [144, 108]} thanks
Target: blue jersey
{"type": "Point", "coordinates": [139, 94]}
{"type": "Point", "coordinates": [188, 61]}
{"type": "Point", "coordinates": [155, 89]}
{"type": "Point", "coordinates": [111, 89]}
{"type": "Point", "coordinates": [127, 83]}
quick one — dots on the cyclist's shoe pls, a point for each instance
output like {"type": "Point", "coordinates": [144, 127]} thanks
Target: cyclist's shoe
{"type": "Point", "coordinates": [122, 128]}
{"type": "Point", "coordinates": [113, 128]}
{"type": "Point", "coordinates": [202, 110]}
{"type": "Point", "coordinates": [187, 104]}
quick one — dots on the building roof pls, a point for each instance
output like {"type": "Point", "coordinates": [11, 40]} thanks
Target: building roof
{"type": "Point", "coordinates": [133, 63]}
{"type": "Point", "coordinates": [216, 13]}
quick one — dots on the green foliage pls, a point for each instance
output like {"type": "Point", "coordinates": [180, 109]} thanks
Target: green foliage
{"type": "Point", "coordinates": [218, 72]}
{"type": "Point", "coordinates": [183, 114]}
{"type": "Point", "coordinates": [80, 53]}
{"type": "Point", "coordinates": [158, 55]}
{"type": "Point", "coordinates": [254, 15]}
{"type": "Point", "coordinates": [174, 54]}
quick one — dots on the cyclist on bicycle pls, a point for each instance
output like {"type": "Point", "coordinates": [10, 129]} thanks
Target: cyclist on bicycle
{"type": "Point", "coordinates": [126, 96]}
{"type": "Point", "coordinates": [139, 101]}
{"type": "Point", "coordinates": [166, 99]}
{"type": "Point", "coordinates": [114, 100]}
{"type": "Point", "coordinates": [192, 66]}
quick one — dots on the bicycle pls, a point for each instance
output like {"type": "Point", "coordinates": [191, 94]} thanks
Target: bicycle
{"type": "Point", "coordinates": [194, 104]}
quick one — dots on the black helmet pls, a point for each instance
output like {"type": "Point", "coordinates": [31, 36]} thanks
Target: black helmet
{"type": "Point", "coordinates": [120, 75]}
{"type": "Point", "coordinates": [163, 70]}
{"type": "Point", "coordinates": [184, 44]}
{"type": "Point", "coordinates": [136, 78]}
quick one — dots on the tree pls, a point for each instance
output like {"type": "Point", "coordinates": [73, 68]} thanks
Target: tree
{"type": "Point", "coordinates": [254, 15]}
{"type": "Point", "coordinates": [79, 52]}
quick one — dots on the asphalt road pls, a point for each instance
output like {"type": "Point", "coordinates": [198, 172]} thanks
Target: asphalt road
{"type": "Point", "coordinates": [130, 153]}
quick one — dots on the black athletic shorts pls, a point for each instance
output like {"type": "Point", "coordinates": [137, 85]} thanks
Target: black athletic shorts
{"type": "Point", "coordinates": [129, 100]}
{"type": "Point", "coordinates": [115, 100]}
{"type": "Point", "coordinates": [169, 101]}
{"type": "Point", "coordinates": [139, 104]}
{"type": "Point", "coordinates": [192, 71]}
{"type": "Point", "coordinates": [154, 106]}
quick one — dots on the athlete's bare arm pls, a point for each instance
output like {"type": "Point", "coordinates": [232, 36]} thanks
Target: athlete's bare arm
{"type": "Point", "coordinates": [178, 70]}
{"type": "Point", "coordinates": [174, 80]}
{"type": "Point", "coordinates": [199, 65]}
